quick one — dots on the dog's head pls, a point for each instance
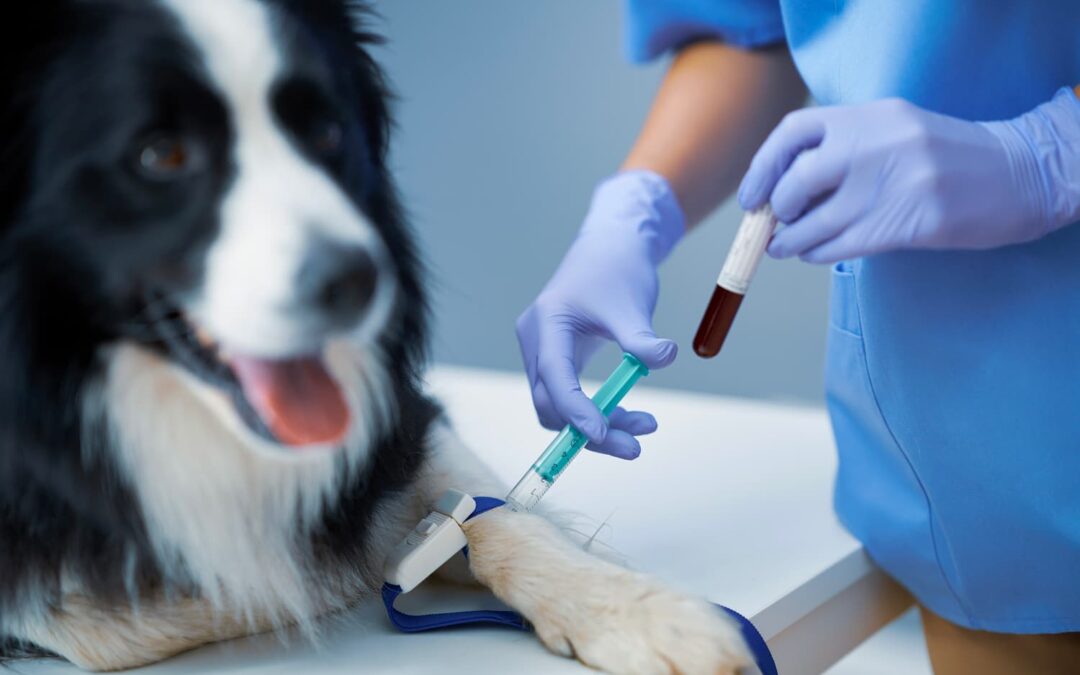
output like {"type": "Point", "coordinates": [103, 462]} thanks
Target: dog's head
{"type": "Point", "coordinates": [207, 178]}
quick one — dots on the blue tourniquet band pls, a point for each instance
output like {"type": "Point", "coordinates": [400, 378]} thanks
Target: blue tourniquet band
{"type": "Point", "coordinates": [412, 623]}
{"type": "Point", "coordinates": [418, 623]}
{"type": "Point", "coordinates": [758, 647]}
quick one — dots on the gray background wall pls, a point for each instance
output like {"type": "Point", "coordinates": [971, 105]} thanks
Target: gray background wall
{"type": "Point", "coordinates": [509, 113]}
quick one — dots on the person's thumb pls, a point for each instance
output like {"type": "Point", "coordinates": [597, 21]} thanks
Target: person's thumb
{"type": "Point", "coordinates": [642, 342]}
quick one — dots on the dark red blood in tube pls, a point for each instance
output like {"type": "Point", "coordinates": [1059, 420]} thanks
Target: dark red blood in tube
{"type": "Point", "coordinates": [716, 323]}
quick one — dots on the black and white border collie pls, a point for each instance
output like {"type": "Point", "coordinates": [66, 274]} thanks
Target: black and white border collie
{"type": "Point", "coordinates": [212, 329]}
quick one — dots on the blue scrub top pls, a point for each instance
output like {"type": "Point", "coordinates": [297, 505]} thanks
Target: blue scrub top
{"type": "Point", "coordinates": [952, 378]}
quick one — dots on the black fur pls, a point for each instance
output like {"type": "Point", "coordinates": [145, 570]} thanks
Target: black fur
{"type": "Point", "coordinates": [81, 241]}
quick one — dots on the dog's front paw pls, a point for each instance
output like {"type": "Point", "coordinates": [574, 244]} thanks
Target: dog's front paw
{"type": "Point", "coordinates": [622, 622]}
{"type": "Point", "coordinates": [607, 617]}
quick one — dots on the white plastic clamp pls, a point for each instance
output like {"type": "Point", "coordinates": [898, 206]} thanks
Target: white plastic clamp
{"type": "Point", "coordinates": [434, 540]}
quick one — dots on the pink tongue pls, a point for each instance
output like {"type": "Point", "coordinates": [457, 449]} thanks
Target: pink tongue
{"type": "Point", "coordinates": [297, 399]}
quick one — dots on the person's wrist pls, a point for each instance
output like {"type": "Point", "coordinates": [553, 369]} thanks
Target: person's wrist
{"type": "Point", "coordinates": [1043, 151]}
{"type": "Point", "coordinates": [637, 203]}
{"type": "Point", "coordinates": [1024, 173]}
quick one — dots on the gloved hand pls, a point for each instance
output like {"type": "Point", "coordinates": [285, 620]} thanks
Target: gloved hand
{"type": "Point", "coordinates": [605, 288]}
{"type": "Point", "coordinates": [851, 181]}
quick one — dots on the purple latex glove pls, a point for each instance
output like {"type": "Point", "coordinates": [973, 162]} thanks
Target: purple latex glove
{"type": "Point", "coordinates": [856, 180]}
{"type": "Point", "coordinates": [605, 288]}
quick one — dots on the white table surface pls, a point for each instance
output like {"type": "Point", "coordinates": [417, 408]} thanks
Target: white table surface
{"type": "Point", "coordinates": [731, 499]}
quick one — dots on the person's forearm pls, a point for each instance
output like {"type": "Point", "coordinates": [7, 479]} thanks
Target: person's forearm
{"type": "Point", "coordinates": [715, 107]}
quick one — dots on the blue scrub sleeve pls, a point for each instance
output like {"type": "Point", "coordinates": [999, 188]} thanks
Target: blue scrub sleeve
{"type": "Point", "coordinates": [657, 26]}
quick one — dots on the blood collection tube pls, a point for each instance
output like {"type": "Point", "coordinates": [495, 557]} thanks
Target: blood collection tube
{"type": "Point", "coordinates": [734, 280]}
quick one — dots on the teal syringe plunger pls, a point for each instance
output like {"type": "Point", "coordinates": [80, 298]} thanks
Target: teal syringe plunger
{"type": "Point", "coordinates": [570, 441]}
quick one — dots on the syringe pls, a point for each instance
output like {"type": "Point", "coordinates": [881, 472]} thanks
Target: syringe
{"type": "Point", "coordinates": [439, 536]}
{"type": "Point", "coordinates": [570, 441]}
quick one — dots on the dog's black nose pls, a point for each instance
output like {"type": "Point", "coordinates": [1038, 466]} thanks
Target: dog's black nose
{"type": "Point", "coordinates": [339, 282]}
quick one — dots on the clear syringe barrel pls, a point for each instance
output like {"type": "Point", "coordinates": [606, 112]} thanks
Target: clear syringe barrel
{"type": "Point", "coordinates": [566, 446]}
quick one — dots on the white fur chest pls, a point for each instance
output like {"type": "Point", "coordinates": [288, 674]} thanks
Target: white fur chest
{"type": "Point", "coordinates": [221, 507]}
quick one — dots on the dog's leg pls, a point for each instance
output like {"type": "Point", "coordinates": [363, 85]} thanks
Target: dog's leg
{"type": "Point", "coordinates": [97, 637]}
{"type": "Point", "coordinates": [606, 616]}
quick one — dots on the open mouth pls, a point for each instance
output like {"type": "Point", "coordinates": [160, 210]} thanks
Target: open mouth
{"type": "Point", "coordinates": [292, 401]}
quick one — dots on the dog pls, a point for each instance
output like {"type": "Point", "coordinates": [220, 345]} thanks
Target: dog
{"type": "Point", "coordinates": [212, 316]}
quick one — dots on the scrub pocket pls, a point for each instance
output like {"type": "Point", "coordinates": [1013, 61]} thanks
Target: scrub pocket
{"type": "Point", "coordinates": [843, 303]}
{"type": "Point", "coordinates": [878, 496]}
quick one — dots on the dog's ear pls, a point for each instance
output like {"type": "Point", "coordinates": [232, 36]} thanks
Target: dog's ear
{"type": "Point", "coordinates": [345, 29]}
{"type": "Point", "coordinates": [31, 39]}
{"type": "Point", "coordinates": [370, 79]}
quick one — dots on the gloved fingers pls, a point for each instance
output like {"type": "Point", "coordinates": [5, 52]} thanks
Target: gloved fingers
{"type": "Point", "coordinates": [545, 408]}
{"type": "Point", "coordinates": [634, 422]}
{"type": "Point", "coordinates": [526, 327]}
{"type": "Point", "coordinates": [556, 370]}
{"type": "Point", "coordinates": [819, 225]}
{"type": "Point", "coordinates": [635, 335]}
{"type": "Point", "coordinates": [800, 130]}
{"type": "Point", "coordinates": [848, 244]}
{"type": "Point", "coordinates": [812, 175]}
{"type": "Point", "coordinates": [618, 444]}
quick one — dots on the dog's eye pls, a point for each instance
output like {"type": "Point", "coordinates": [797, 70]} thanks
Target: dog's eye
{"type": "Point", "coordinates": [165, 157]}
{"type": "Point", "coordinates": [327, 137]}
